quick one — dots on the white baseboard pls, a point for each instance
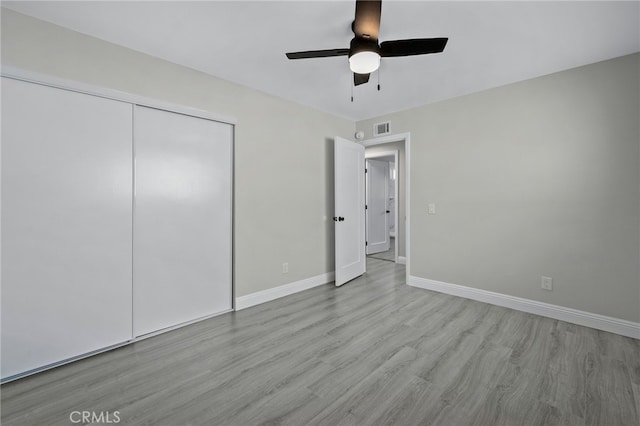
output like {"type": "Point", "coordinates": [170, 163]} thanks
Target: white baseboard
{"type": "Point", "coordinates": [575, 316]}
{"type": "Point", "coordinates": [259, 297]}
{"type": "Point", "coordinates": [402, 260]}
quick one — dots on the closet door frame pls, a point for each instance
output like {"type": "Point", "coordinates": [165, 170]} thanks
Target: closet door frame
{"type": "Point", "coordinates": [135, 100]}
{"type": "Point", "coordinates": [116, 95]}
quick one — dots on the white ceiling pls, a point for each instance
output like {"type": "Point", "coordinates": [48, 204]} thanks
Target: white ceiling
{"type": "Point", "coordinates": [490, 43]}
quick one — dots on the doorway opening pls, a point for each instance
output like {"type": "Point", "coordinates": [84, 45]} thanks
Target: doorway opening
{"type": "Point", "coordinates": [381, 213]}
{"type": "Point", "coordinates": [398, 146]}
{"type": "Point", "coordinates": [350, 207]}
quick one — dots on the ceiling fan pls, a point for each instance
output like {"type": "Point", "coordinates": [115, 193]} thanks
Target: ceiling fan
{"type": "Point", "coordinates": [365, 52]}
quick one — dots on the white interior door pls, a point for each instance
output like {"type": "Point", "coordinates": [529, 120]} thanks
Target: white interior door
{"type": "Point", "coordinates": [349, 210]}
{"type": "Point", "coordinates": [182, 219]}
{"type": "Point", "coordinates": [377, 206]}
{"type": "Point", "coordinates": [66, 224]}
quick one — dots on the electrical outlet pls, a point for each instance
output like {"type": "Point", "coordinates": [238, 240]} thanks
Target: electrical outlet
{"type": "Point", "coordinates": [546, 283]}
{"type": "Point", "coordinates": [285, 268]}
{"type": "Point", "coordinates": [432, 208]}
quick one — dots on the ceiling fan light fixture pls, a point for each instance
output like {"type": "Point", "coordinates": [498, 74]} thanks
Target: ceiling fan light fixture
{"type": "Point", "coordinates": [364, 62]}
{"type": "Point", "coordinates": [364, 55]}
{"type": "Point", "coordinates": [365, 51]}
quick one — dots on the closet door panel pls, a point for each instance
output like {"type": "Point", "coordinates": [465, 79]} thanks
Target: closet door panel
{"type": "Point", "coordinates": [66, 224]}
{"type": "Point", "coordinates": [182, 219]}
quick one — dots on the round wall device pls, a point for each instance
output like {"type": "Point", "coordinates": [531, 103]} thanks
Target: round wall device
{"type": "Point", "coordinates": [360, 135]}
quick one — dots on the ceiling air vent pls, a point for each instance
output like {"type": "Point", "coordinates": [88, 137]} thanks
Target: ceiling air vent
{"type": "Point", "coordinates": [381, 129]}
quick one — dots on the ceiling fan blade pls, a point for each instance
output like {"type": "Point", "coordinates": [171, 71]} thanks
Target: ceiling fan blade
{"type": "Point", "coordinates": [359, 79]}
{"type": "Point", "coordinates": [318, 53]}
{"type": "Point", "coordinates": [367, 21]}
{"type": "Point", "coordinates": [414, 46]}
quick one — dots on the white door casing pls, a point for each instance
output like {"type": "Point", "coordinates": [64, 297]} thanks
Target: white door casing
{"type": "Point", "coordinates": [349, 220]}
{"type": "Point", "coordinates": [377, 212]}
{"type": "Point", "coordinates": [405, 200]}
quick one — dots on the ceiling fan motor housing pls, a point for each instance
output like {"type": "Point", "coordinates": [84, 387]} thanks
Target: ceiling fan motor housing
{"type": "Point", "coordinates": [359, 44]}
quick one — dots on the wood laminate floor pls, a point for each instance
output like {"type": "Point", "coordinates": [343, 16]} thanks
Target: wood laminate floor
{"type": "Point", "coordinates": [373, 352]}
{"type": "Point", "coordinates": [389, 255]}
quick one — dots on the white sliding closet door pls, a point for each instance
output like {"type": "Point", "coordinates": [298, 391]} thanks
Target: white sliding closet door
{"type": "Point", "coordinates": [66, 224]}
{"type": "Point", "coordinates": [182, 219]}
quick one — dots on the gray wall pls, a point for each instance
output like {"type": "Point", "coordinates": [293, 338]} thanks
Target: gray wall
{"type": "Point", "coordinates": [283, 175]}
{"type": "Point", "coordinates": [535, 178]}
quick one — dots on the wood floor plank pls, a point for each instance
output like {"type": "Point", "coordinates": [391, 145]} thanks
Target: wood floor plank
{"type": "Point", "coordinates": [372, 352]}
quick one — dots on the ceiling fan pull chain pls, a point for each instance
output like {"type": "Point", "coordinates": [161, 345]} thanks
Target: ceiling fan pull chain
{"type": "Point", "coordinates": [351, 85]}
{"type": "Point", "coordinates": [378, 79]}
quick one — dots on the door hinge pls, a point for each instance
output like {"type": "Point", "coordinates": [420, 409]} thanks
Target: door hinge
{"type": "Point", "coordinates": [366, 207]}
{"type": "Point", "coordinates": [366, 243]}
{"type": "Point", "coordinates": [366, 170]}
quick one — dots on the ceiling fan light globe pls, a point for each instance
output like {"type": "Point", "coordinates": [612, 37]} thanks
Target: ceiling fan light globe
{"type": "Point", "coordinates": [364, 62]}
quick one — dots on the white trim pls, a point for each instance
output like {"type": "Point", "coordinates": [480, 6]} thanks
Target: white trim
{"type": "Point", "coordinates": [398, 137]}
{"type": "Point", "coordinates": [270, 294]}
{"type": "Point", "coordinates": [116, 95]}
{"type": "Point", "coordinates": [396, 207]}
{"type": "Point", "coordinates": [575, 316]}
{"type": "Point", "coordinates": [402, 260]}
{"type": "Point", "coordinates": [406, 138]}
